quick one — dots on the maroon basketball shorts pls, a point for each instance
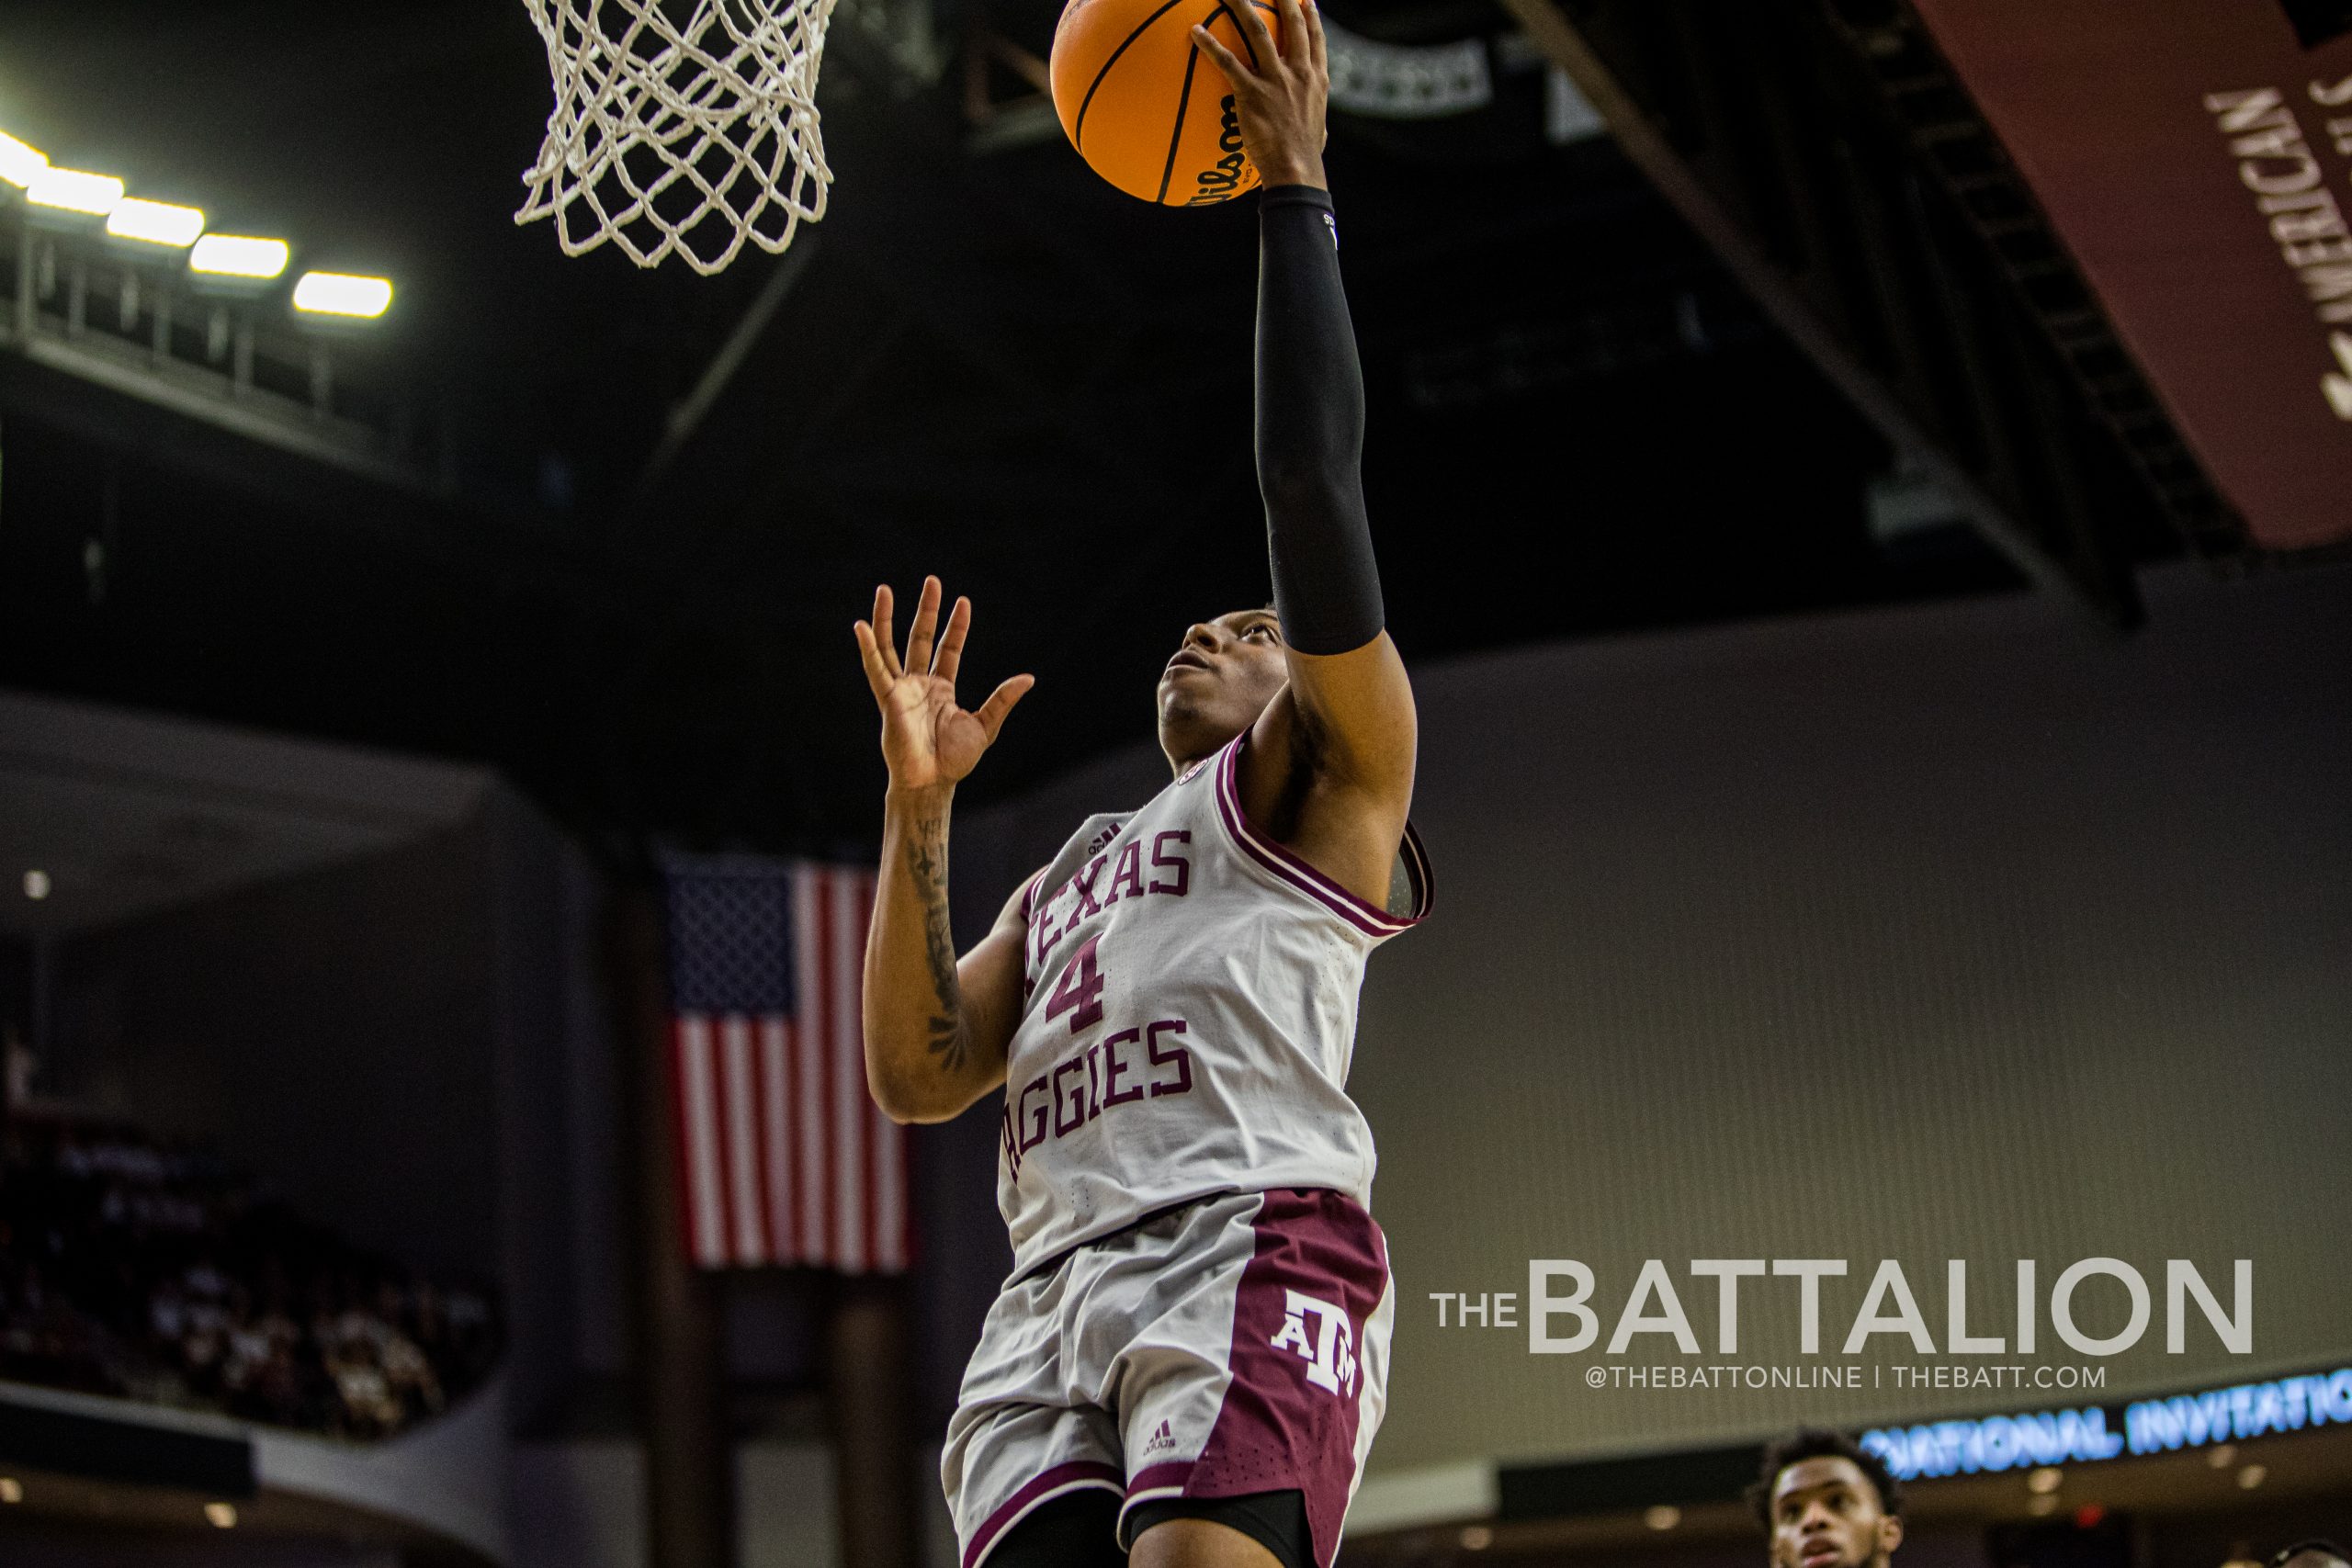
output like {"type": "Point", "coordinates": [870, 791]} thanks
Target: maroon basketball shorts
{"type": "Point", "coordinates": [1236, 1345]}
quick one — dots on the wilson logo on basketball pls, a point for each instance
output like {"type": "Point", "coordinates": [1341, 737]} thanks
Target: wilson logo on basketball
{"type": "Point", "coordinates": [1222, 180]}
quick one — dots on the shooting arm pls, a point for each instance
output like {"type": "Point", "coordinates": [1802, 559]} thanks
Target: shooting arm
{"type": "Point", "coordinates": [1350, 713]}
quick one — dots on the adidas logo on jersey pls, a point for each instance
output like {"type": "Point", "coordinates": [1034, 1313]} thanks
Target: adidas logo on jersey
{"type": "Point", "coordinates": [1163, 1438]}
{"type": "Point", "coordinates": [1327, 1348]}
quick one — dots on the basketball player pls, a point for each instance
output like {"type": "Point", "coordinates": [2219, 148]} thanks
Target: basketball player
{"type": "Point", "coordinates": [1189, 1360]}
{"type": "Point", "coordinates": [1826, 1502]}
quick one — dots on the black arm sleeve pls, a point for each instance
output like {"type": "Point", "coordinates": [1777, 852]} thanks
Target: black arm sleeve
{"type": "Point", "coordinates": [1310, 430]}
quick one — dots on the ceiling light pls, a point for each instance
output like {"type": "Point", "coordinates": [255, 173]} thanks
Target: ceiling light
{"type": "Point", "coordinates": [1665, 1516]}
{"type": "Point", "coordinates": [2046, 1479]}
{"type": "Point", "coordinates": [232, 255]}
{"type": "Point", "coordinates": [2219, 1457]}
{"type": "Point", "coordinates": [1476, 1538]}
{"type": "Point", "coordinates": [222, 1515]}
{"type": "Point", "coordinates": [2040, 1506]}
{"type": "Point", "coordinates": [18, 162]}
{"type": "Point", "coordinates": [11, 1489]}
{"type": "Point", "coordinates": [2253, 1475]}
{"type": "Point", "coordinates": [340, 294]}
{"type": "Point", "coordinates": [36, 885]}
{"type": "Point", "coordinates": [158, 223]}
{"type": "Point", "coordinates": [74, 190]}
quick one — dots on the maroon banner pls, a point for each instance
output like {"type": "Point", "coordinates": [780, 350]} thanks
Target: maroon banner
{"type": "Point", "coordinates": [2196, 158]}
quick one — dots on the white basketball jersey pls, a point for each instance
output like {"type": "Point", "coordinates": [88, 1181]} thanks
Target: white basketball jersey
{"type": "Point", "coordinates": [1188, 1015]}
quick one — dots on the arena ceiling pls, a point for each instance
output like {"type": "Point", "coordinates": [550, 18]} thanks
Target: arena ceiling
{"type": "Point", "coordinates": [627, 579]}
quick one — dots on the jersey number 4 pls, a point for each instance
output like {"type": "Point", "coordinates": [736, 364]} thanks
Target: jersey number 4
{"type": "Point", "coordinates": [1080, 986]}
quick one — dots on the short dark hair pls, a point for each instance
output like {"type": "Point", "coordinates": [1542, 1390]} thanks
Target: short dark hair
{"type": "Point", "coordinates": [2288, 1553]}
{"type": "Point", "coordinates": [1819, 1442]}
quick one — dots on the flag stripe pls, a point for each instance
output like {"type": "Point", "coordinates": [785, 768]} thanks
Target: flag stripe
{"type": "Point", "coordinates": [700, 1116]}
{"type": "Point", "coordinates": [711, 1055]}
{"type": "Point", "coordinates": [777, 1129]}
{"type": "Point", "coordinates": [741, 1108]}
{"type": "Point", "coordinates": [755, 1128]}
{"type": "Point", "coordinates": [849, 1086]}
{"type": "Point", "coordinates": [809, 1042]}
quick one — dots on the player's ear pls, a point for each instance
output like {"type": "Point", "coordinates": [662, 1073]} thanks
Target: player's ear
{"type": "Point", "coordinates": [1890, 1533]}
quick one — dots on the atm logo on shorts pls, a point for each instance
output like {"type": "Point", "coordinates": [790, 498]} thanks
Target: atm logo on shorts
{"type": "Point", "coordinates": [1318, 1333]}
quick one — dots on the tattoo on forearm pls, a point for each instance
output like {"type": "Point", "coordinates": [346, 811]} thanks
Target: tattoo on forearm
{"type": "Point", "coordinates": [927, 862]}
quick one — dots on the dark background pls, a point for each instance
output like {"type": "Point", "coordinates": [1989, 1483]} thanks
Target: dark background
{"type": "Point", "coordinates": [995, 368]}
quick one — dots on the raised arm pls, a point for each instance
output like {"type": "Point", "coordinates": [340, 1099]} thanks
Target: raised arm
{"type": "Point", "coordinates": [1333, 771]}
{"type": "Point", "coordinates": [936, 1027]}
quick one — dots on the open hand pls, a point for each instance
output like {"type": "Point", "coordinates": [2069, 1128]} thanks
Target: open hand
{"type": "Point", "coordinates": [926, 738]}
{"type": "Point", "coordinates": [1279, 94]}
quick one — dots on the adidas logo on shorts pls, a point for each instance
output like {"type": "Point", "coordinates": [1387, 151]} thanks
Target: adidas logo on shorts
{"type": "Point", "coordinates": [1163, 1438]}
{"type": "Point", "coordinates": [1329, 1349]}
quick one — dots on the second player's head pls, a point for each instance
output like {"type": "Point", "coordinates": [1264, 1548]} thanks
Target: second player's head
{"type": "Point", "coordinates": [1219, 679]}
{"type": "Point", "coordinates": [1827, 1503]}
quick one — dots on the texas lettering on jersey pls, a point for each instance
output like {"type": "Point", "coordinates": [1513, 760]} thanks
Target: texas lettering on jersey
{"type": "Point", "coordinates": [1103, 883]}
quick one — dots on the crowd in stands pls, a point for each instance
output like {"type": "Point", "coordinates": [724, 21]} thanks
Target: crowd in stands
{"type": "Point", "coordinates": [133, 1265]}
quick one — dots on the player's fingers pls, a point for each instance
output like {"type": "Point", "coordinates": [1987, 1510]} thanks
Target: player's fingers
{"type": "Point", "coordinates": [926, 621]}
{"type": "Point", "coordinates": [1295, 49]}
{"type": "Point", "coordinates": [1236, 75]}
{"type": "Point", "coordinates": [884, 637]}
{"type": "Point", "coordinates": [1254, 33]}
{"type": "Point", "coordinates": [951, 642]}
{"type": "Point", "coordinates": [878, 675]}
{"type": "Point", "coordinates": [999, 702]}
{"type": "Point", "coordinates": [1319, 49]}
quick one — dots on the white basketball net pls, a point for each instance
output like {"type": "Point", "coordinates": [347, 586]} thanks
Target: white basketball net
{"type": "Point", "coordinates": [688, 136]}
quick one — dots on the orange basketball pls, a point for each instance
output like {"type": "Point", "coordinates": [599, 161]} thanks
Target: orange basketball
{"type": "Point", "coordinates": [1146, 109]}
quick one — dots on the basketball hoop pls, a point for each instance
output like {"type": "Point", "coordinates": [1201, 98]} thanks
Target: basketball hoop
{"type": "Point", "coordinates": [687, 137]}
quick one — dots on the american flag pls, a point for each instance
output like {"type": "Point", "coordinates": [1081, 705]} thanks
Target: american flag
{"type": "Point", "coordinates": [786, 1159]}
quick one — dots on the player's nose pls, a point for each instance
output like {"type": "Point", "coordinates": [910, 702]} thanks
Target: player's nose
{"type": "Point", "coordinates": [1201, 635]}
